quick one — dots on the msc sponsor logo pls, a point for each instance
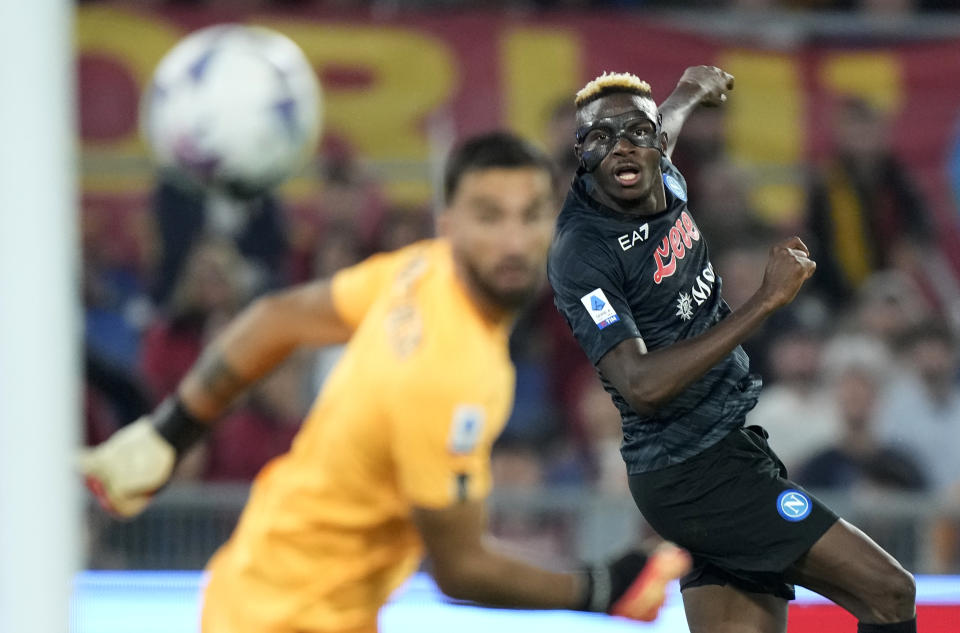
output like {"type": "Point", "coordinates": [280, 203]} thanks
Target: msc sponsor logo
{"type": "Point", "coordinates": [703, 286]}
{"type": "Point", "coordinates": [678, 240]}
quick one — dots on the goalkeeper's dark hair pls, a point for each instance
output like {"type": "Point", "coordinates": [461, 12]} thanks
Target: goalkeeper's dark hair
{"type": "Point", "coordinates": [490, 151]}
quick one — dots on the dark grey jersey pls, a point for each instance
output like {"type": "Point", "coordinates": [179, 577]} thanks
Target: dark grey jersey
{"type": "Point", "coordinates": [616, 277]}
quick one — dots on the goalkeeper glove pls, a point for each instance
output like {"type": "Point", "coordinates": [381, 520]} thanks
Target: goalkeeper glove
{"type": "Point", "coordinates": [634, 585]}
{"type": "Point", "coordinates": [135, 462]}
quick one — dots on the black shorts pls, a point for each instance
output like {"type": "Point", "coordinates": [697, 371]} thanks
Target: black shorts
{"type": "Point", "coordinates": [734, 509]}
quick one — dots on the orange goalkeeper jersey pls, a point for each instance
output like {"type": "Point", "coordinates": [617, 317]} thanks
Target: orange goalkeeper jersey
{"type": "Point", "coordinates": [406, 419]}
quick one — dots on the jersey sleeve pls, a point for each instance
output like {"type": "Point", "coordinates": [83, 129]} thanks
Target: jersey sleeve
{"type": "Point", "coordinates": [356, 287]}
{"type": "Point", "coordinates": [588, 291]}
{"type": "Point", "coordinates": [442, 435]}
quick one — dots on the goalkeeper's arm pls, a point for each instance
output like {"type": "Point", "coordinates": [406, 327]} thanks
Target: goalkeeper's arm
{"type": "Point", "coordinates": [135, 462]}
{"type": "Point", "coordinates": [467, 566]}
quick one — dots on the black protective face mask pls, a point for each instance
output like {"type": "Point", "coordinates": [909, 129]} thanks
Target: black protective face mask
{"type": "Point", "coordinates": [598, 138]}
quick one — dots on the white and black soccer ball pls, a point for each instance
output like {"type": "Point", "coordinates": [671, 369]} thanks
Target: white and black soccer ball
{"type": "Point", "coordinates": [235, 107]}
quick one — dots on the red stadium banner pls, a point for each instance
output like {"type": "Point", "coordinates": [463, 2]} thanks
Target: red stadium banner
{"type": "Point", "coordinates": [392, 82]}
{"type": "Point", "coordinates": [820, 618]}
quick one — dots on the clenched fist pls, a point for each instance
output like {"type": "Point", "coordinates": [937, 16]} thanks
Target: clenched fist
{"type": "Point", "coordinates": [125, 471]}
{"type": "Point", "coordinates": [788, 267]}
{"type": "Point", "coordinates": [712, 82]}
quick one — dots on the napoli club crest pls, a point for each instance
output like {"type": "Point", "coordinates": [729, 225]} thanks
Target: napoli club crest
{"type": "Point", "coordinates": [794, 505]}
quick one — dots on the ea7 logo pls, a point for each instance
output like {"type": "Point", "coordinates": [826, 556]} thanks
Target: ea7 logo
{"type": "Point", "coordinates": [675, 245]}
{"type": "Point", "coordinates": [628, 241]}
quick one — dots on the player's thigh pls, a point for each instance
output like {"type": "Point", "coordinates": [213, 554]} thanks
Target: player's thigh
{"type": "Point", "coordinates": [726, 609]}
{"type": "Point", "coordinates": [846, 566]}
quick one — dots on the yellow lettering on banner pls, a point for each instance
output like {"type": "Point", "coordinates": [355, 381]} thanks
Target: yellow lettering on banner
{"type": "Point", "coordinates": [541, 67]}
{"type": "Point", "coordinates": [413, 74]}
{"type": "Point", "coordinates": [764, 125]}
{"type": "Point", "coordinates": [874, 76]}
{"type": "Point", "coordinates": [136, 42]}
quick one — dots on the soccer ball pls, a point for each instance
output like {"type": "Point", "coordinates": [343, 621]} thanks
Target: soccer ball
{"type": "Point", "coordinates": [233, 107]}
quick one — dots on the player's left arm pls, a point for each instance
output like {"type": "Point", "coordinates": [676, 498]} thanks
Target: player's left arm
{"type": "Point", "coordinates": [699, 85]}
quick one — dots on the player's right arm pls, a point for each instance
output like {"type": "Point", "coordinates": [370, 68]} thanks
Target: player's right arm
{"type": "Point", "coordinates": [648, 380]}
{"type": "Point", "coordinates": [699, 85]}
{"type": "Point", "coordinates": [128, 468]}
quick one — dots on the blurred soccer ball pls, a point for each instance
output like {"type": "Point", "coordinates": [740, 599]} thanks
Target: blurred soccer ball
{"type": "Point", "coordinates": [235, 107]}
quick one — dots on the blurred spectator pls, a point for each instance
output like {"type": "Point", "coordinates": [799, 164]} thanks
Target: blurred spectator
{"type": "Point", "coordinates": [350, 205]}
{"type": "Point", "coordinates": [860, 459]}
{"type": "Point", "coordinates": [740, 271]}
{"type": "Point", "coordinates": [752, 5]}
{"type": "Point", "coordinates": [516, 466]}
{"type": "Point", "coordinates": [204, 298]}
{"type": "Point", "coordinates": [724, 212]}
{"type": "Point", "coordinates": [116, 261]}
{"type": "Point", "coordinates": [940, 5]}
{"type": "Point", "coordinates": [864, 210]}
{"type": "Point", "coordinates": [350, 193]}
{"type": "Point", "coordinates": [601, 421]}
{"type": "Point", "coordinates": [340, 247]}
{"type": "Point", "coordinates": [921, 412]}
{"type": "Point", "coordinates": [796, 410]}
{"type": "Point", "coordinates": [953, 166]}
{"type": "Point", "coordinates": [116, 254]}
{"type": "Point", "coordinates": [561, 131]}
{"type": "Point", "coordinates": [186, 215]}
{"type": "Point", "coordinates": [886, 306]}
{"type": "Point", "coordinates": [529, 532]}
{"type": "Point", "coordinates": [888, 8]}
{"type": "Point", "coordinates": [401, 226]}
{"type": "Point", "coordinates": [548, 362]}
{"type": "Point", "coordinates": [114, 313]}
{"type": "Point", "coordinates": [532, 419]}
{"type": "Point", "coordinates": [921, 409]}
{"type": "Point", "coordinates": [702, 142]}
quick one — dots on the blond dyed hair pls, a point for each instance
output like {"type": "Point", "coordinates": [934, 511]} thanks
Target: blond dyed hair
{"type": "Point", "coordinates": [609, 83]}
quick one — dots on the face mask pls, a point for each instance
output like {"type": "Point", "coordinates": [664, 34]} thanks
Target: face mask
{"type": "Point", "coordinates": [598, 138]}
